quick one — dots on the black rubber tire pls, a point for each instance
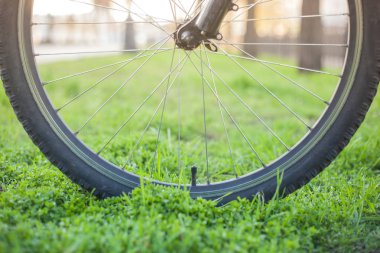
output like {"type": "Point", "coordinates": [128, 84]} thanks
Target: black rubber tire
{"type": "Point", "coordinates": [319, 157]}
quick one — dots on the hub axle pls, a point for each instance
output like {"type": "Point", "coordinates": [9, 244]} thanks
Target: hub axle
{"type": "Point", "coordinates": [204, 26]}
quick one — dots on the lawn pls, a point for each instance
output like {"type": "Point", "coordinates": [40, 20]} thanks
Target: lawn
{"type": "Point", "coordinates": [42, 211]}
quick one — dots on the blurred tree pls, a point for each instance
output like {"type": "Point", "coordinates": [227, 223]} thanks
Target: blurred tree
{"type": "Point", "coordinates": [106, 3]}
{"type": "Point", "coordinates": [251, 33]}
{"type": "Point", "coordinates": [100, 4]}
{"type": "Point", "coordinates": [129, 38]}
{"type": "Point", "coordinates": [102, 14]}
{"type": "Point", "coordinates": [311, 32]}
{"type": "Point", "coordinates": [49, 33]}
{"type": "Point", "coordinates": [70, 29]}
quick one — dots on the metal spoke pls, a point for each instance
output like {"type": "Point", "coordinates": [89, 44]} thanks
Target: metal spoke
{"type": "Point", "coordinates": [163, 113]}
{"type": "Point", "coordinates": [139, 107]}
{"type": "Point", "coordinates": [179, 5]}
{"type": "Point", "coordinates": [99, 52]}
{"type": "Point", "coordinates": [114, 9]}
{"type": "Point", "coordinates": [117, 91]}
{"type": "Point", "coordinates": [153, 18]}
{"type": "Point", "coordinates": [221, 112]}
{"type": "Point", "coordinates": [262, 121]}
{"type": "Point", "coordinates": [232, 119]}
{"type": "Point", "coordinates": [98, 23]}
{"type": "Point", "coordinates": [179, 124]}
{"type": "Point", "coordinates": [282, 44]}
{"type": "Point", "coordinates": [182, 7]}
{"type": "Point", "coordinates": [97, 5]}
{"type": "Point", "coordinates": [284, 76]}
{"type": "Point", "coordinates": [280, 64]}
{"type": "Point", "coordinates": [124, 9]}
{"type": "Point", "coordinates": [149, 16]}
{"type": "Point", "coordinates": [189, 11]}
{"type": "Point", "coordinates": [143, 133]}
{"type": "Point", "coordinates": [251, 5]}
{"type": "Point", "coordinates": [205, 118]}
{"type": "Point", "coordinates": [248, 8]}
{"type": "Point", "coordinates": [95, 85]}
{"type": "Point", "coordinates": [153, 116]}
{"type": "Point", "coordinates": [95, 69]}
{"type": "Point", "coordinates": [269, 91]}
{"type": "Point", "coordinates": [174, 12]}
{"type": "Point", "coordinates": [286, 18]}
{"type": "Point", "coordinates": [139, 56]}
{"type": "Point", "coordinates": [196, 8]}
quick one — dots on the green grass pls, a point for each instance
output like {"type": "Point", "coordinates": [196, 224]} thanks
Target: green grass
{"type": "Point", "coordinates": [42, 211]}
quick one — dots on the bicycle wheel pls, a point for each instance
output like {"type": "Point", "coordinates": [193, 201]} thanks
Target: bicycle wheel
{"type": "Point", "coordinates": [113, 92]}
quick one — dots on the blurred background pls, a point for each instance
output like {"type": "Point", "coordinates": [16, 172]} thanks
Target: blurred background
{"type": "Point", "coordinates": [65, 24]}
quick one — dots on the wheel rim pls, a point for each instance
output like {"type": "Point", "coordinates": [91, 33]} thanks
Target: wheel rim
{"type": "Point", "coordinates": [320, 125]}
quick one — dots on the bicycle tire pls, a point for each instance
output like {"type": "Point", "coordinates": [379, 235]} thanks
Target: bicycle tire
{"type": "Point", "coordinates": [113, 182]}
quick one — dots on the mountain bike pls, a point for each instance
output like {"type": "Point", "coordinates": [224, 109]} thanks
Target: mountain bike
{"type": "Point", "coordinates": [196, 97]}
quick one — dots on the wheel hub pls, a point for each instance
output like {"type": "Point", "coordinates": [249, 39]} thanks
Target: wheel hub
{"type": "Point", "coordinates": [205, 26]}
{"type": "Point", "coordinates": [188, 38]}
